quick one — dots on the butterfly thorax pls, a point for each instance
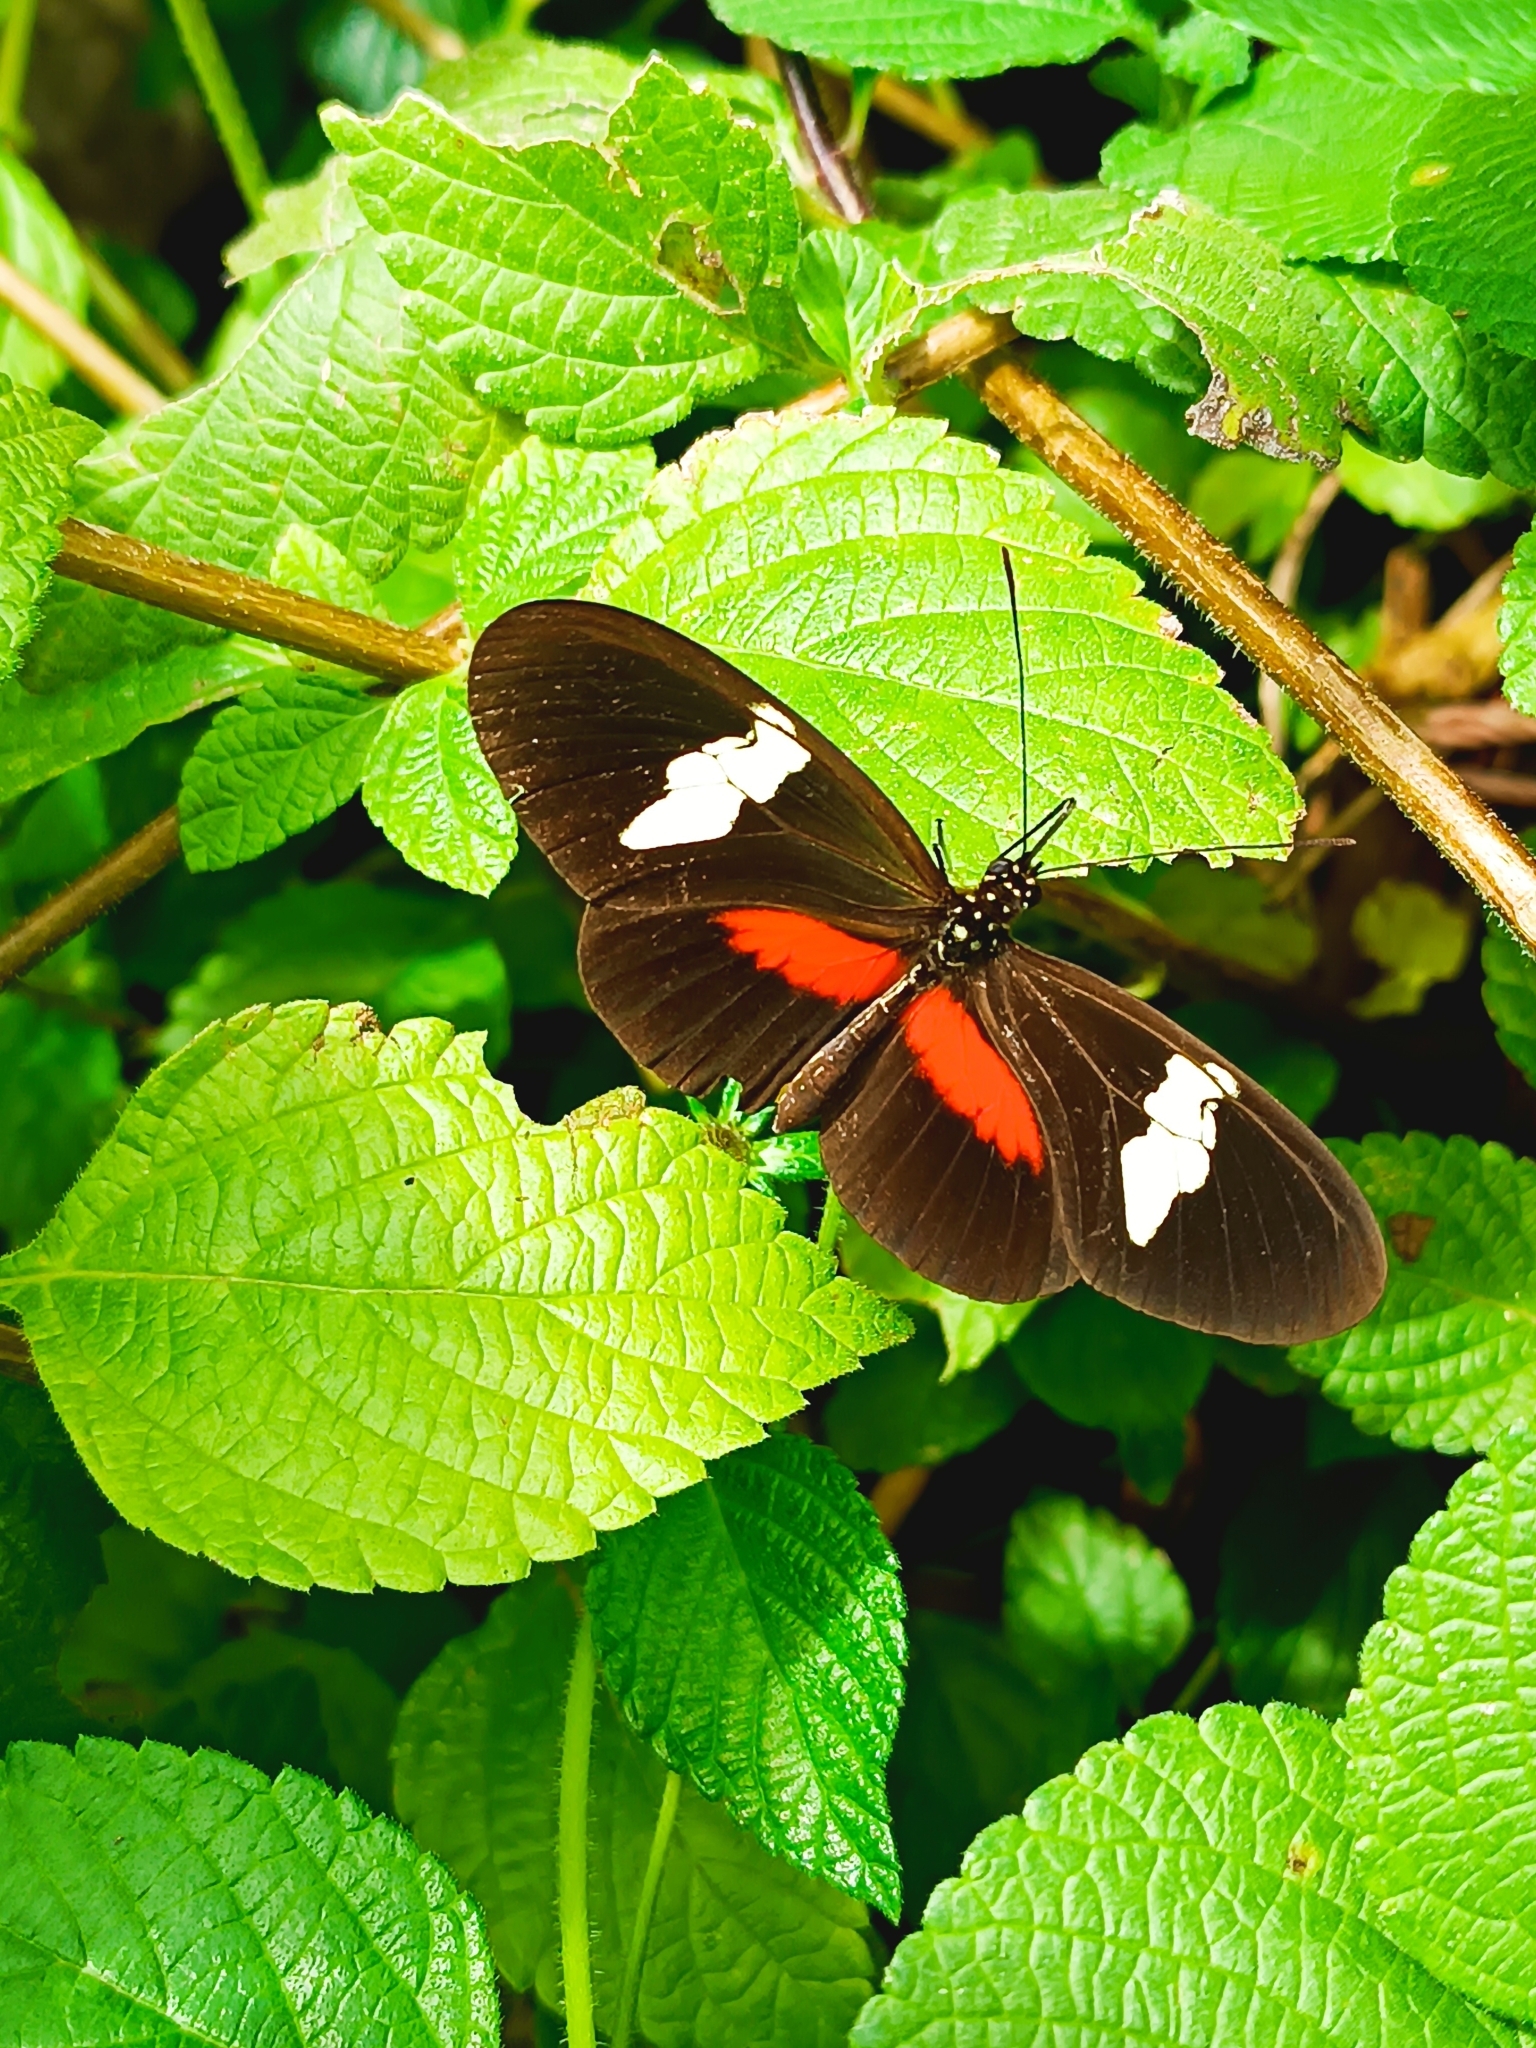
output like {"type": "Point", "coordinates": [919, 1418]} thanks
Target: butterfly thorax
{"type": "Point", "coordinates": [977, 927]}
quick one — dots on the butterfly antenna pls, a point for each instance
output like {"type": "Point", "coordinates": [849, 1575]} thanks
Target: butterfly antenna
{"type": "Point", "coordinates": [1018, 655]}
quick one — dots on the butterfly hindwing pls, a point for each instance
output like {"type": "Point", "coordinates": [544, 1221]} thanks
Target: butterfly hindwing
{"type": "Point", "coordinates": [1183, 1189]}
{"type": "Point", "coordinates": [656, 775]}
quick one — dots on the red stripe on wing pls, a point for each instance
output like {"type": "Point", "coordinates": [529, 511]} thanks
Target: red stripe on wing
{"type": "Point", "coordinates": [811, 955]}
{"type": "Point", "coordinates": [971, 1077]}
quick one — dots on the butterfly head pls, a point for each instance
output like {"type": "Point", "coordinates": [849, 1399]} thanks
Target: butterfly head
{"type": "Point", "coordinates": [977, 926]}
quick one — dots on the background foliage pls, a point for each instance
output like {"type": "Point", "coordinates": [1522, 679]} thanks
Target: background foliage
{"type": "Point", "coordinates": [467, 1511]}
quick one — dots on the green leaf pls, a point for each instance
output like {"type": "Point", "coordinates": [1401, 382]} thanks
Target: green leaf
{"type": "Point", "coordinates": [856, 302]}
{"type": "Point", "coordinates": [1439, 1737]}
{"type": "Point", "coordinates": [1305, 157]}
{"type": "Point", "coordinates": [751, 1630]}
{"type": "Point", "coordinates": [602, 292]}
{"type": "Point", "coordinates": [939, 38]}
{"type": "Point", "coordinates": [40, 444]}
{"type": "Point", "coordinates": [286, 755]}
{"type": "Point", "coordinates": [150, 1896]}
{"type": "Point", "coordinates": [1230, 913]}
{"type": "Point", "coordinates": [541, 522]}
{"type": "Point", "coordinates": [1296, 1071]}
{"type": "Point", "coordinates": [1205, 51]}
{"type": "Point", "coordinates": [1088, 1603]}
{"type": "Point", "coordinates": [1517, 625]}
{"type": "Point", "coordinates": [60, 1083]}
{"type": "Point", "coordinates": [1011, 163]}
{"type": "Point", "coordinates": [996, 246]}
{"type": "Point", "coordinates": [1409, 931]}
{"type": "Point", "coordinates": [1447, 1358]}
{"type": "Point", "coordinates": [40, 242]}
{"type": "Point", "coordinates": [1509, 996]}
{"type": "Point", "coordinates": [1302, 1569]}
{"type": "Point", "coordinates": [1430, 44]}
{"type": "Point", "coordinates": [333, 416]}
{"type": "Point", "coordinates": [49, 1560]}
{"type": "Point", "coordinates": [314, 217]}
{"type": "Point", "coordinates": [792, 548]}
{"type": "Point", "coordinates": [515, 88]}
{"type": "Point", "coordinates": [561, 1324]}
{"type": "Point", "coordinates": [1189, 1885]}
{"type": "Point", "coordinates": [1460, 213]}
{"type": "Point", "coordinates": [351, 942]}
{"type": "Point", "coordinates": [1105, 1366]}
{"type": "Point", "coordinates": [430, 793]}
{"type": "Point", "coordinates": [909, 1409]}
{"type": "Point", "coordinates": [972, 1329]}
{"type": "Point", "coordinates": [1417, 494]}
{"type": "Point", "coordinates": [977, 1736]}
{"type": "Point", "coordinates": [744, 1951]}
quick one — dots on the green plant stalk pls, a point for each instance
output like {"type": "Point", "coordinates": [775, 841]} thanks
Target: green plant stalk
{"type": "Point", "coordinates": [1198, 1683]}
{"type": "Point", "coordinates": [655, 1863]}
{"type": "Point", "coordinates": [15, 55]}
{"type": "Point", "coordinates": [575, 1771]}
{"type": "Point", "coordinates": [830, 1228]}
{"type": "Point", "coordinates": [221, 96]}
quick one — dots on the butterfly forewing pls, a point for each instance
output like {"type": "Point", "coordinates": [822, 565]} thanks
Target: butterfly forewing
{"type": "Point", "coordinates": [1182, 1187]}
{"type": "Point", "coordinates": [654, 774]}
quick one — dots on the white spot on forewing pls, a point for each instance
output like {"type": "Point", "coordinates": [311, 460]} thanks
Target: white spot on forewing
{"type": "Point", "coordinates": [706, 790]}
{"type": "Point", "coordinates": [1172, 1157]}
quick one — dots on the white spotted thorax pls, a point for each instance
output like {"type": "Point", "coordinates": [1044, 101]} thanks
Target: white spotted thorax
{"type": "Point", "coordinates": [1172, 1157]}
{"type": "Point", "coordinates": [706, 790]}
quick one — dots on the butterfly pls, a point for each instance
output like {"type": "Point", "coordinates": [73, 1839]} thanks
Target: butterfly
{"type": "Point", "coordinates": [1004, 1122]}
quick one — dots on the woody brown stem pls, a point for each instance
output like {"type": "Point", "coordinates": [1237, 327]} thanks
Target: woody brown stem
{"type": "Point", "coordinates": [835, 174]}
{"type": "Point", "coordinates": [1428, 792]}
{"type": "Point", "coordinates": [85, 899]}
{"type": "Point", "coordinates": [16, 1361]}
{"type": "Point", "coordinates": [441, 43]}
{"type": "Point", "coordinates": [247, 604]}
{"type": "Point", "coordinates": [118, 382]}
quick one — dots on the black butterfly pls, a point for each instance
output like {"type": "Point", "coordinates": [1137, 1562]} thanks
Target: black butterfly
{"type": "Point", "coordinates": [1002, 1121]}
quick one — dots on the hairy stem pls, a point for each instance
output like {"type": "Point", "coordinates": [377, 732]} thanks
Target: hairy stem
{"type": "Point", "coordinates": [246, 604]}
{"type": "Point", "coordinates": [142, 335]}
{"type": "Point", "coordinates": [650, 1884]}
{"type": "Point", "coordinates": [16, 1360]}
{"type": "Point", "coordinates": [440, 43]}
{"type": "Point", "coordinates": [575, 1771]}
{"type": "Point", "coordinates": [15, 55]}
{"type": "Point", "coordinates": [1428, 792]}
{"type": "Point", "coordinates": [221, 96]}
{"type": "Point", "coordinates": [81, 902]}
{"type": "Point", "coordinates": [118, 382]}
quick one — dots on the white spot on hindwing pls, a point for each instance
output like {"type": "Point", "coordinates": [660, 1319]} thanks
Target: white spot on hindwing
{"type": "Point", "coordinates": [1173, 1157]}
{"type": "Point", "coordinates": [706, 790]}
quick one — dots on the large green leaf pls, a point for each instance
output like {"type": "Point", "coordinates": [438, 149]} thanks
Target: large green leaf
{"type": "Point", "coordinates": [1517, 625]}
{"type": "Point", "coordinates": [1509, 996]}
{"type": "Point", "coordinates": [1105, 1366]}
{"type": "Point", "coordinates": [752, 1631]}
{"type": "Point", "coordinates": [428, 789]}
{"type": "Point", "coordinates": [1440, 1736]}
{"type": "Point", "coordinates": [1461, 213]}
{"type": "Point", "coordinates": [1193, 1884]}
{"type": "Point", "coordinates": [541, 522]}
{"type": "Point", "coordinates": [189, 1902]}
{"type": "Point", "coordinates": [1088, 1603]}
{"type": "Point", "coordinates": [744, 1951]}
{"type": "Point", "coordinates": [853, 566]}
{"type": "Point", "coordinates": [333, 416]}
{"type": "Point", "coordinates": [49, 1560]}
{"type": "Point", "coordinates": [559, 1324]}
{"type": "Point", "coordinates": [39, 445]}
{"type": "Point", "coordinates": [1431, 44]}
{"type": "Point", "coordinates": [939, 38]}
{"type": "Point", "coordinates": [40, 242]}
{"type": "Point", "coordinates": [1302, 1568]}
{"type": "Point", "coordinates": [602, 292]}
{"type": "Point", "coordinates": [399, 952]}
{"type": "Point", "coordinates": [1303, 155]}
{"type": "Point", "coordinates": [1448, 1357]}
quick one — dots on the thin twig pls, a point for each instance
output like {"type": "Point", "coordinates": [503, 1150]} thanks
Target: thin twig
{"type": "Point", "coordinates": [16, 1360]}
{"type": "Point", "coordinates": [835, 175]}
{"type": "Point", "coordinates": [1307, 859]}
{"type": "Point", "coordinates": [118, 382]}
{"type": "Point", "coordinates": [143, 336]}
{"type": "Point", "coordinates": [895, 1494]}
{"type": "Point", "coordinates": [1284, 581]}
{"type": "Point", "coordinates": [221, 96]}
{"type": "Point", "coordinates": [441, 43]}
{"type": "Point", "coordinates": [81, 902]}
{"type": "Point", "coordinates": [1428, 792]}
{"type": "Point", "coordinates": [951, 129]}
{"type": "Point", "coordinates": [247, 604]}
{"type": "Point", "coordinates": [1198, 1683]}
